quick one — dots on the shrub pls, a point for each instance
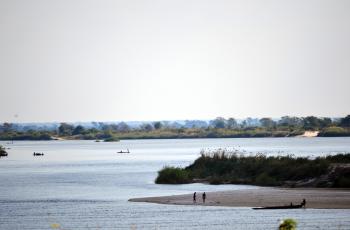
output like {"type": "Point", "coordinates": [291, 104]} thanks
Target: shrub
{"type": "Point", "coordinates": [111, 139]}
{"type": "Point", "coordinates": [216, 180]}
{"type": "Point", "coordinates": [173, 175]}
{"type": "Point", "coordinates": [334, 131]}
{"type": "Point", "coordinates": [265, 180]}
{"type": "Point", "coordinates": [343, 182]}
{"type": "Point", "coordinates": [222, 167]}
{"type": "Point", "coordinates": [288, 224]}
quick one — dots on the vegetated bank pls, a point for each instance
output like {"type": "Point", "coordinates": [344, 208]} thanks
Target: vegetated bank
{"type": "Point", "coordinates": [233, 168]}
{"type": "Point", "coordinates": [334, 131]}
{"type": "Point", "coordinates": [218, 128]}
{"type": "Point", "coordinates": [33, 136]}
{"type": "Point", "coordinates": [164, 133]}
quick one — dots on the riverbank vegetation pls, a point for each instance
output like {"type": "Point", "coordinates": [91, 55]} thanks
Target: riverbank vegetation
{"type": "Point", "coordinates": [223, 167]}
{"type": "Point", "coordinates": [29, 135]}
{"type": "Point", "coordinates": [173, 175]}
{"type": "Point", "coordinates": [217, 128]}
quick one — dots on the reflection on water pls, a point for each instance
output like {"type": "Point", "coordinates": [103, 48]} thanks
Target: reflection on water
{"type": "Point", "coordinates": [84, 184]}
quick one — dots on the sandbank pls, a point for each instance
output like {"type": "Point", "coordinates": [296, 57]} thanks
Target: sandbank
{"type": "Point", "coordinates": [265, 196]}
{"type": "Point", "coordinates": [309, 134]}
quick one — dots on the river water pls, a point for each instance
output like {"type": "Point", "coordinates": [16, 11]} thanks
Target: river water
{"type": "Point", "coordinates": [86, 185]}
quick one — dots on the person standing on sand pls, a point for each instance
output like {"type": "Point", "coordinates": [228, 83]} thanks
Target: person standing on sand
{"type": "Point", "coordinates": [303, 204]}
{"type": "Point", "coordinates": [203, 197]}
{"type": "Point", "coordinates": [194, 197]}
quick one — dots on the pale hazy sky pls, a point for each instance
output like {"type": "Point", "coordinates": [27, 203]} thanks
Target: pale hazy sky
{"type": "Point", "coordinates": [81, 60]}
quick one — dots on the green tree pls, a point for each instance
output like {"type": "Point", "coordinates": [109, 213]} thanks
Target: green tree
{"type": "Point", "coordinates": [146, 127]}
{"type": "Point", "coordinates": [345, 122]}
{"type": "Point", "coordinates": [65, 129]}
{"type": "Point", "coordinates": [244, 124]}
{"type": "Point", "coordinates": [267, 122]}
{"type": "Point", "coordinates": [311, 123]}
{"type": "Point", "coordinates": [290, 121]}
{"type": "Point", "coordinates": [231, 123]}
{"type": "Point", "coordinates": [249, 122]}
{"type": "Point", "coordinates": [123, 127]}
{"type": "Point", "coordinates": [325, 122]}
{"type": "Point", "coordinates": [78, 130]}
{"type": "Point", "coordinates": [157, 125]}
{"type": "Point", "coordinates": [7, 127]}
{"type": "Point", "coordinates": [109, 127]}
{"type": "Point", "coordinates": [219, 123]}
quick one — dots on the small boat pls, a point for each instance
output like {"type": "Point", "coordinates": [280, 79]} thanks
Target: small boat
{"type": "Point", "coordinates": [121, 151]}
{"type": "Point", "coordinates": [38, 154]}
{"type": "Point", "coordinates": [3, 152]}
{"type": "Point", "coordinates": [291, 206]}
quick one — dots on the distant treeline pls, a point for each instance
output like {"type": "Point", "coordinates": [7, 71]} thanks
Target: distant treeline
{"type": "Point", "coordinates": [217, 128]}
{"type": "Point", "coordinates": [227, 168]}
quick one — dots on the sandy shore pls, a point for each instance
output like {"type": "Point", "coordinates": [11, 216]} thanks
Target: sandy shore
{"type": "Point", "coordinates": [309, 134]}
{"type": "Point", "coordinates": [315, 198]}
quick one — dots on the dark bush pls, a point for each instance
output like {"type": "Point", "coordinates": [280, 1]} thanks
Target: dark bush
{"type": "Point", "coordinates": [173, 175]}
{"type": "Point", "coordinates": [221, 168]}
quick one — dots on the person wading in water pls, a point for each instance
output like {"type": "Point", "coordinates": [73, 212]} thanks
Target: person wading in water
{"type": "Point", "coordinates": [194, 197]}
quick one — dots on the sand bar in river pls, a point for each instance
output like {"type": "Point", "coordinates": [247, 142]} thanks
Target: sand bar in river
{"type": "Point", "coordinates": [315, 198]}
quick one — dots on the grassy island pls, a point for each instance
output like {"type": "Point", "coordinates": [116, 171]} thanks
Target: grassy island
{"type": "Point", "coordinates": [233, 168]}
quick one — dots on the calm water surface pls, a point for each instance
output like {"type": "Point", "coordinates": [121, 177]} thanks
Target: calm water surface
{"type": "Point", "coordinates": [86, 185]}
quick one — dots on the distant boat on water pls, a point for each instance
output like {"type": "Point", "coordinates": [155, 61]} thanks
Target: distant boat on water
{"type": "Point", "coordinates": [281, 207]}
{"type": "Point", "coordinates": [38, 154]}
{"type": "Point", "coordinates": [3, 152]}
{"type": "Point", "coordinates": [121, 151]}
